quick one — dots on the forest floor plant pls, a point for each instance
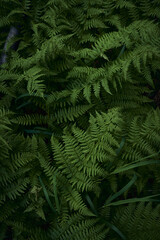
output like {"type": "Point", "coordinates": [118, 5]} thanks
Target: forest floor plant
{"type": "Point", "coordinates": [80, 120]}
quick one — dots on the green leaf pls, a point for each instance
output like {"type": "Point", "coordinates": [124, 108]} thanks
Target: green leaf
{"type": "Point", "coordinates": [40, 213]}
{"type": "Point", "coordinates": [122, 51]}
{"type": "Point", "coordinates": [22, 105]}
{"type": "Point", "coordinates": [37, 131]}
{"type": "Point", "coordinates": [131, 166]}
{"type": "Point", "coordinates": [46, 195]}
{"type": "Point", "coordinates": [87, 93]}
{"type": "Point", "coordinates": [133, 200]}
{"type": "Point", "coordinates": [28, 95]}
{"type": "Point", "coordinates": [29, 209]}
{"type": "Point", "coordinates": [121, 145]}
{"type": "Point", "coordinates": [55, 193]}
{"type": "Point", "coordinates": [91, 205]}
{"type": "Point", "coordinates": [125, 188]}
{"type": "Point", "coordinates": [104, 56]}
{"type": "Point", "coordinates": [96, 88]}
{"type": "Point", "coordinates": [40, 128]}
{"type": "Point", "coordinates": [74, 95]}
{"type": "Point", "coordinates": [113, 227]}
{"type": "Point", "coordinates": [105, 85]}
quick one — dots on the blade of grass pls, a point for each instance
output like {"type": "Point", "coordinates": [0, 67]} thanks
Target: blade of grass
{"type": "Point", "coordinates": [22, 105]}
{"type": "Point", "coordinates": [114, 228]}
{"type": "Point", "coordinates": [37, 131]}
{"type": "Point", "coordinates": [46, 195]}
{"type": "Point", "coordinates": [122, 51]}
{"type": "Point", "coordinates": [134, 165]}
{"type": "Point", "coordinates": [28, 95]}
{"type": "Point", "coordinates": [125, 188]}
{"type": "Point", "coordinates": [91, 205]}
{"type": "Point", "coordinates": [121, 145]}
{"type": "Point", "coordinates": [133, 200]}
{"type": "Point", "coordinates": [55, 193]}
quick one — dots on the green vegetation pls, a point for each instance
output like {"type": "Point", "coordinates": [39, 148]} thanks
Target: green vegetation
{"type": "Point", "coordinates": [80, 120]}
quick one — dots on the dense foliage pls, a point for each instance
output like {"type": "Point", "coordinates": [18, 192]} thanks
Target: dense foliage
{"type": "Point", "coordinates": [80, 120]}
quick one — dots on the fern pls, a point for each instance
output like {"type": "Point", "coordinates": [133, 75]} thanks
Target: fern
{"type": "Point", "coordinates": [79, 120]}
